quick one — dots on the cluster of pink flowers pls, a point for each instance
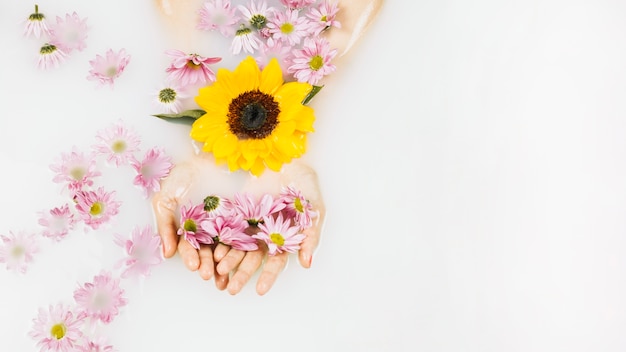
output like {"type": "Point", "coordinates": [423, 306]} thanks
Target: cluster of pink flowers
{"type": "Point", "coordinates": [292, 31]}
{"type": "Point", "coordinates": [244, 221]}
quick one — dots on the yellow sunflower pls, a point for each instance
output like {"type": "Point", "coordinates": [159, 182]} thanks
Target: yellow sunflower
{"type": "Point", "coordinates": [253, 119]}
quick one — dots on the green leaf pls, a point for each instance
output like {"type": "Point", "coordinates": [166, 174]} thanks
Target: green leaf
{"type": "Point", "coordinates": [192, 114]}
{"type": "Point", "coordinates": [312, 93]}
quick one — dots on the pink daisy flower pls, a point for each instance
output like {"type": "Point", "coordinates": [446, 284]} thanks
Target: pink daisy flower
{"type": "Point", "coordinates": [102, 298]}
{"type": "Point", "coordinates": [256, 13]}
{"type": "Point", "coordinates": [17, 250]}
{"type": "Point", "coordinates": [279, 235]}
{"type": "Point", "coordinates": [312, 62]}
{"type": "Point", "coordinates": [36, 24]}
{"type": "Point", "coordinates": [191, 218]}
{"type": "Point", "coordinates": [186, 69]}
{"type": "Point", "coordinates": [106, 69]}
{"type": "Point", "coordinates": [297, 4]}
{"type": "Point", "coordinates": [70, 33]}
{"type": "Point", "coordinates": [297, 207]}
{"type": "Point", "coordinates": [254, 212]}
{"type": "Point", "coordinates": [218, 15]}
{"type": "Point", "coordinates": [143, 251]}
{"type": "Point", "coordinates": [57, 329]}
{"type": "Point", "coordinates": [230, 231]}
{"type": "Point", "coordinates": [96, 208]}
{"type": "Point", "coordinates": [216, 205]}
{"type": "Point", "coordinates": [57, 222]}
{"type": "Point", "coordinates": [323, 17]}
{"type": "Point", "coordinates": [50, 56]}
{"type": "Point", "coordinates": [169, 98]}
{"type": "Point", "coordinates": [155, 166]}
{"type": "Point", "coordinates": [95, 345]}
{"type": "Point", "coordinates": [245, 39]}
{"type": "Point", "coordinates": [117, 143]}
{"type": "Point", "coordinates": [288, 26]}
{"type": "Point", "coordinates": [76, 169]}
{"type": "Point", "coordinates": [274, 50]}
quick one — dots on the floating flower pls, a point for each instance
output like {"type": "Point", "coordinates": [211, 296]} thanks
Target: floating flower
{"type": "Point", "coordinates": [186, 69]}
{"type": "Point", "coordinates": [36, 24]}
{"type": "Point", "coordinates": [255, 211]}
{"type": "Point", "coordinates": [170, 97]}
{"type": "Point", "coordinates": [17, 250]}
{"type": "Point", "coordinates": [76, 169]}
{"type": "Point", "coordinates": [102, 298]}
{"type": "Point", "coordinates": [297, 4]}
{"type": "Point", "coordinates": [279, 235]}
{"type": "Point", "coordinates": [96, 208]}
{"type": "Point", "coordinates": [218, 15]}
{"type": "Point", "coordinates": [106, 69]}
{"type": "Point", "coordinates": [274, 50]}
{"type": "Point", "coordinates": [117, 143]}
{"type": "Point", "coordinates": [288, 26]}
{"type": "Point", "coordinates": [58, 329]}
{"type": "Point", "coordinates": [70, 33]}
{"type": "Point", "coordinates": [57, 222]}
{"type": "Point", "coordinates": [216, 205]}
{"type": "Point", "coordinates": [190, 219]}
{"type": "Point", "coordinates": [95, 345]}
{"type": "Point", "coordinates": [245, 39]}
{"type": "Point", "coordinates": [256, 13]}
{"type": "Point", "coordinates": [312, 62]}
{"type": "Point", "coordinates": [252, 119]}
{"type": "Point", "coordinates": [323, 17]}
{"type": "Point", "coordinates": [297, 207]}
{"type": "Point", "coordinates": [230, 231]}
{"type": "Point", "coordinates": [143, 251]}
{"type": "Point", "coordinates": [155, 166]}
{"type": "Point", "coordinates": [50, 56]}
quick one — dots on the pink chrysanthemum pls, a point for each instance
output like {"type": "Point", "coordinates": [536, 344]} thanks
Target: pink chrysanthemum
{"type": "Point", "coordinates": [17, 250]}
{"type": "Point", "coordinates": [102, 298]}
{"type": "Point", "coordinates": [117, 143]}
{"type": "Point", "coordinates": [58, 329]}
{"type": "Point", "coordinates": [274, 50]}
{"type": "Point", "coordinates": [95, 345]}
{"type": "Point", "coordinates": [155, 166]}
{"type": "Point", "coordinates": [254, 212]}
{"type": "Point", "coordinates": [288, 26]}
{"type": "Point", "coordinates": [70, 33]}
{"type": "Point", "coordinates": [279, 235]}
{"type": "Point", "coordinates": [186, 69]}
{"type": "Point", "coordinates": [256, 13]}
{"type": "Point", "coordinates": [323, 17]}
{"type": "Point", "coordinates": [191, 218]}
{"type": "Point", "coordinates": [297, 4]}
{"type": "Point", "coordinates": [312, 62]}
{"type": "Point", "coordinates": [169, 98]}
{"type": "Point", "coordinates": [57, 222]}
{"type": "Point", "coordinates": [96, 208]}
{"type": "Point", "coordinates": [218, 15]}
{"type": "Point", "coordinates": [245, 39]}
{"type": "Point", "coordinates": [106, 69]}
{"type": "Point", "coordinates": [50, 56]}
{"type": "Point", "coordinates": [76, 169]}
{"type": "Point", "coordinates": [143, 251]}
{"type": "Point", "coordinates": [297, 207]}
{"type": "Point", "coordinates": [36, 24]}
{"type": "Point", "coordinates": [215, 206]}
{"type": "Point", "coordinates": [230, 231]}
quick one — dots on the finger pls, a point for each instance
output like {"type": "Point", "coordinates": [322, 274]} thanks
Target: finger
{"type": "Point", "coordinates": [230, 261]}
{"type": "Point", "coordinates": [221, 281]}
{"type": "Point", "coordinates": [272, 268]}
{"type": "Point", "coordinates": [189, 254]}
{"type": "Point", "coordinates": [205, 255]}
{"type": "Point", "coordinates": [220, 252]}
{"type": "Point", "coordinates": [249, 265]}
{"type": "Point", "coordinates": [165, 209]}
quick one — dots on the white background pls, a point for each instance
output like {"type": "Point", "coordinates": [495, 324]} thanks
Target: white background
{"type": "Point", "coordinates": [471, 155]}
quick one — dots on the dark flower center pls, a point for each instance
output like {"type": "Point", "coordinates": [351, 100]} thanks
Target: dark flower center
{"type": "Point", "coordinates": [253, 114]}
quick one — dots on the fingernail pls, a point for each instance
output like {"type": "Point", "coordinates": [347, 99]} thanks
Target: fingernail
{"type": "Point", "coordinates": [163, 249]}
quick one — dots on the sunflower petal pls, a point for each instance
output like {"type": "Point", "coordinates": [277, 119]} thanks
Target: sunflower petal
{"type": "Point", "coordinates": [271, 78]}
{"type": "Point", "coordinates": [247, 75]}
{"type": "Point", "coordinates": [225, 145]}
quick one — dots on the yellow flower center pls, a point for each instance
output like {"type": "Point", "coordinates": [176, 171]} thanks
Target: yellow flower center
{"type": "Point", "coordinates": [316, 62]}
{"type": "Point", "coordinates": [298, 205]}
{"type": "Point", "coordinates": [190, 225]}
{"type": "Point", "coordinates": [118, 146]}
{"type": "Point", "coordinates": [168, 95]}
{"type": "Point", "coordinates": [47, 49]}
{"type": "Point", "coordinates": [253, 114]}
{"type": "Point", "coordinates": [211, 203]}
{"type": "Point", "coordinates": [278, 239]}
{"type": "Point", "coordinates": [192, 65]}
{"type": "Point", "coordinates": [111, 71]}
{"type": "Point", "coordinates": [324, 18]}
{"type": "Point", "coordinates": [286, 28]}
{"type": "Point", "coordinates": [96, 209]}
{"type": "Point", "coordinates": [77, 173]}
{"type": "Point", "coordinates": [17, 251]}
{"type": "Point", "coordinates": [58, 331]}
